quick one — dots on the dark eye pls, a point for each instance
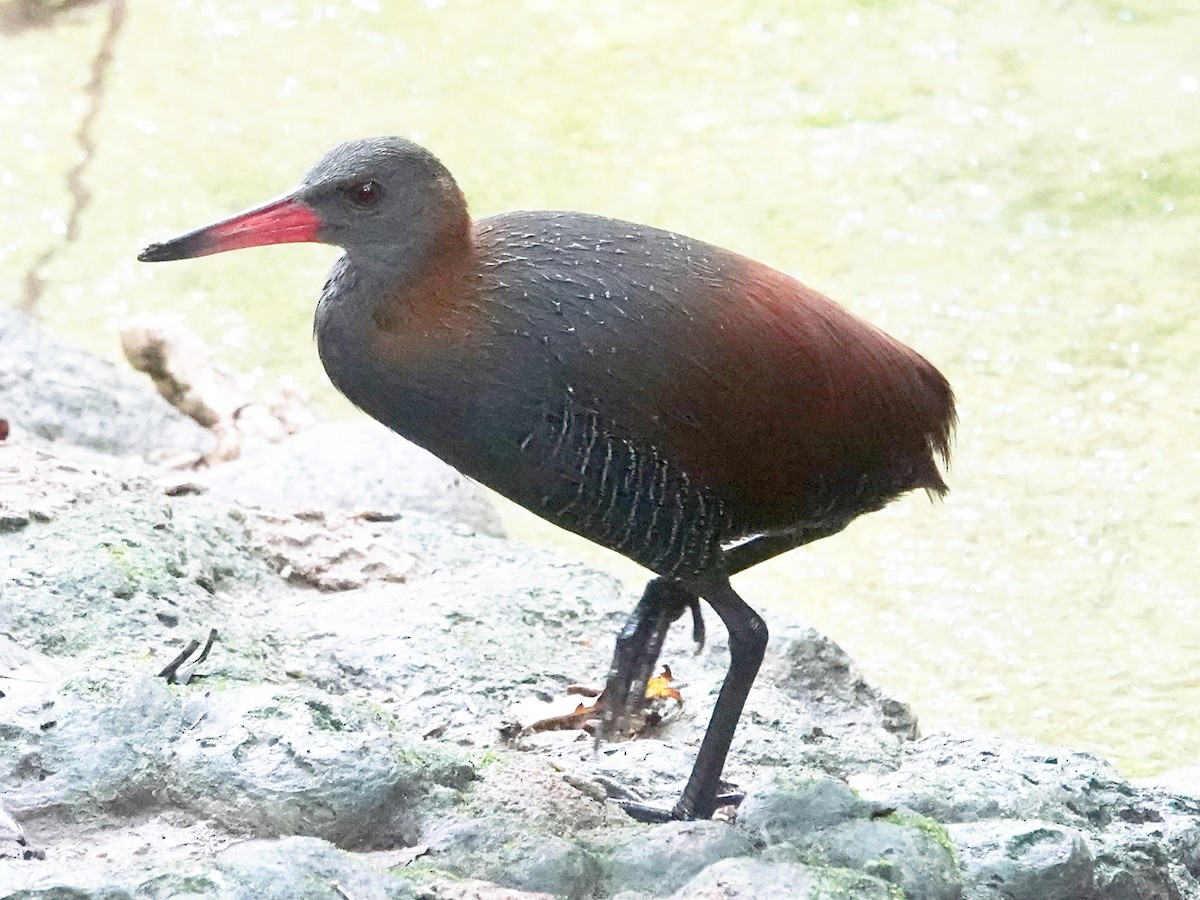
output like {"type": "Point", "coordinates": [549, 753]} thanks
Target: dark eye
{"type": "Point", "coordinates": [363, 194]}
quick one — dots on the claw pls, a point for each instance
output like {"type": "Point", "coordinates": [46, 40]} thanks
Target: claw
{"type": "Point", "coordinates": [656, 815]}
{"type": "Point", "coordinates": [643, 812]}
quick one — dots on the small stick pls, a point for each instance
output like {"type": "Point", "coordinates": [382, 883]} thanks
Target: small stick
{"type": "Point", "coordinates": [171, 670]}
{"type": "Point", "coordinates": [212, 639]}
{"type": "Point", "coordinates": [172, 667]}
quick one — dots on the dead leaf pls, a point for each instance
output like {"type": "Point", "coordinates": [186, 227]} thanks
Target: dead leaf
{"type": "Point", "coordinates": [533, 714]}
{"type": "Point", "coordinates": [538, 714]}
{"type": "Point", "coordinates": [659, 687]}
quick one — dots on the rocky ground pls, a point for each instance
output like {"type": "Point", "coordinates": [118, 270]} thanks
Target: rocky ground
{"type": "Point", "coordinates": [351, 734]}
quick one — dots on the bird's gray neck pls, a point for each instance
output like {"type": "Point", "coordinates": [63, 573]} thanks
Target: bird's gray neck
{"type": "Point", "coordinates": [411, 393]}
{"type": "Point", "coordinates": [342, 323]}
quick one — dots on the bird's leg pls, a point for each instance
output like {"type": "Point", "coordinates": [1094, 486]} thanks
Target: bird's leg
{"type": "Point", "coordinates": [638, 646]}
{"type": "Point", "coordinates": [641, 639]}
{"type": "Point", "coordinates": [767, 546]}
{"type": "Point", "coordinates": [698, 634]}
{"type": "Point", "coordinates": [747, 644]}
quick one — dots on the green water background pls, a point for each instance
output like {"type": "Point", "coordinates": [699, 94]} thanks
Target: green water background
{"type": "Point", "coordinates": [1012, 187]}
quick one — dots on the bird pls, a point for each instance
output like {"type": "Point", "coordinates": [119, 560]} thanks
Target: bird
{"type": "Point", "coordinates": [681, 404]}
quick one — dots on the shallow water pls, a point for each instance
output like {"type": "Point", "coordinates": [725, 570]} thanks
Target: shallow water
{"type": "Point", "coordinates": [1013, 188]}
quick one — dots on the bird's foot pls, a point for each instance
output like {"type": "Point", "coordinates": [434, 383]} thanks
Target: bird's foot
{"type": "Point", "coordinates": [644, 812]}
{"type": "Point", "coordinates": [638, 646]}
{"type": "Point", "coordinates": [640, 811]}
{"type": "Point", "coordinates": [727, 804]}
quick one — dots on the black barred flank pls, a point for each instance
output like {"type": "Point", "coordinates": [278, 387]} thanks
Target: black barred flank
{"type": "Point", "coordinates": [628, 498]}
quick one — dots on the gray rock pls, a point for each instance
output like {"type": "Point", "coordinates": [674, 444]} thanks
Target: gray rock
{"type": "Point", "coordinates": [60, 394]}
{"type": "Point", "coordinates": [305, 763]}
{"type": "Point", "coordinates": [352, 466]}
{"type": "Point", "coordinates": [1137, 868]}
{"type": "Point", "coordinates": [915, 856]}
{"type": "Point", "coordinates": [807, 666]}
{"type": "Point", "coordinates": [23, 672]}
{"type": "Point", "coordinates": [1023, 860]}
{"type": "Point", "coordinates": [820, 820]}
{"type": "Point", "coordinates": [1142, 842]}
{"type": "Point", "coordinates": [966, 779]}
{"type": "Point", "coordinates": [112, 745]}
{"type": "Point", "coordinates": [301, 868]}
{"type": "Point", "coordinates": [792, 807]}
{"type": "Point", "coordinates": [84, 749]}
{"type": "Point", "coordinates": [823, 715]}
{"type": "Point", "coordinates": [36, 485]}
{"type": "Point", "coordinates": [516, 854]}
{"type": "Point", "coordinates": [129, 573]}
{"type": "Point", "coordinates": [296, 868]}
{"type": "Point", "coordinates": [752, 879]}
{"type": "Point", "coordinates": [662, 859]}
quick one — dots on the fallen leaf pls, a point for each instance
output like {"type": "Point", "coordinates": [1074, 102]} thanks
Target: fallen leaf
{"type": "Point", "coordinates": [563, 713]}
{"type": "Point", "coordinates": [534, 714]}
{"type": "Point", "coordinates": [659, 687]}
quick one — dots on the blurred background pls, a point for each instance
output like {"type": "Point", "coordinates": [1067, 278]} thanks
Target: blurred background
{"type": "Point", "coordinates": [1011, 187]}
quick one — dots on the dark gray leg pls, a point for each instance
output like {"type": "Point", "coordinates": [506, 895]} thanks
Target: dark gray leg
{"type": "Point", "coordinates": [747, 644]}
{"type": "Point", "coordinates": [641, 640]}
{"type": "Point", "coordinates": [638, 647]}
{"type": "Point", "coordinates": [767, 546]}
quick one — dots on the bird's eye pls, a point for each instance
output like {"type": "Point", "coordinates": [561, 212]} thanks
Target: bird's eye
{"type": "Point", "coordinates": [363, 194]}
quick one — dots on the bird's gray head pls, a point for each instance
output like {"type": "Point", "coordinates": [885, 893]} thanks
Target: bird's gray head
{"type": "Point", "coordinates": [383, 196]}
{"type": "Point", "coordinates": [385, 200]}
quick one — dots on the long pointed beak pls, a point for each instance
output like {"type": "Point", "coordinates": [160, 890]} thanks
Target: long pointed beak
{"type": "Point", "coordinates": [287, 220]}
